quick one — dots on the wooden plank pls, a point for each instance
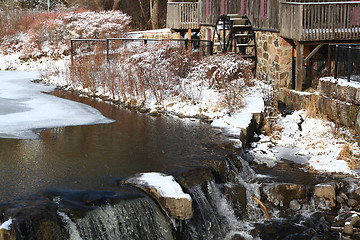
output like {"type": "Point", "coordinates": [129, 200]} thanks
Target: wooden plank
{"type": "Point", "coordinates": [301, 21]}
{"type": "Point", "coordinates": [313, 52]}
{"type": "Point", "coordinates": [299, 66]}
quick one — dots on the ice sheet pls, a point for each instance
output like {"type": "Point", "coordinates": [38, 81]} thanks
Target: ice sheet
{"type": "Point", "coordinates": [24, 108]}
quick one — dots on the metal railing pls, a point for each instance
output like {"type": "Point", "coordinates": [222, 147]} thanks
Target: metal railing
{"type": "Point", "coordinates": [202, 47]}
{"type": "Point", "coordinates": [320, 21]}
{"type": "Point", "coordinates": [347, 62]}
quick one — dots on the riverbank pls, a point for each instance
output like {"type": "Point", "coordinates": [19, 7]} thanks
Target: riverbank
{"type": "Point", "coordinates": [293, 136]}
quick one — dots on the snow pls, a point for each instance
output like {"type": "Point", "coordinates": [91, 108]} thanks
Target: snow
{"type": "Point", "coordinates": [165, 185]}
{"type": "Point", "coordinates": [316, 141]}
{"type": "Point", "coordinates": [24, 107]}
{"type": "Point", "coordinates": [6, 225]}
{"type": "Point", "coordinates": [234, 123]}
{"type": "Point", "coordinates": [341, 82]}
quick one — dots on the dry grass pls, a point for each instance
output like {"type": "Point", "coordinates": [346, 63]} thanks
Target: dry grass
{"type": "Point", "coordinates": [347, 155]}
{"type": "Point", "coordinates": [312, 110]}
{"type": "Point", "coordinates": [272, 128]}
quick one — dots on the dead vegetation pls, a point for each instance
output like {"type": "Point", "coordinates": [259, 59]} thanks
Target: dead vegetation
{"type": "Point", "coordinates": [159, 71]}
{"type": "Point", "coordinates": [347, 155]}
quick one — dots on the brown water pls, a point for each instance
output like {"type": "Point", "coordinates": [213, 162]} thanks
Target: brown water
{"type": "Point", "coordinates": [91, 157]}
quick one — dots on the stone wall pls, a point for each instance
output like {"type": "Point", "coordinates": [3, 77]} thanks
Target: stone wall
{"type": "Point", "coordinates": [274, 58]}
{"type": "Point", "coordinates": [337, 100]}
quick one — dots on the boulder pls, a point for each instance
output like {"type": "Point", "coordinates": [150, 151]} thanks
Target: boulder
{"type": "Point", "coordinates": [166, 191]}
{"type": "Point", "coordinates": [236, 195]}
{"type": "Point", "coordinates": [294, 205]}
{"type": "Point", "coordinates": [326, 191]}
{"type": "Point", "coordinates": [34, 217]}
{"type": "Point", "coordinates": [284, 193]}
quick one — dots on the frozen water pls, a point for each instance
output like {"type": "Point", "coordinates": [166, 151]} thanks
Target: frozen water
{"type": "Point", "coordinates": [25, 108]}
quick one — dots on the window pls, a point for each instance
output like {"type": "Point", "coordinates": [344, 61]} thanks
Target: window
{"type": "Point", "coordinates": [243, 7]}
{"type": "Point", "coordinates": [208, 7]}
{"type": "Point", "coordinates": [264, 9]}
{"type": "Point", "coordinates": [223, 7]}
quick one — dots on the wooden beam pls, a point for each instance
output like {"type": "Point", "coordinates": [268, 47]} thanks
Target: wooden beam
{"type": "Point", "coordinates": [313, 52]}
{"type": "Point", "coordinates": [189, 37]}
{"type": "Point", "coordinates": [299, 66]}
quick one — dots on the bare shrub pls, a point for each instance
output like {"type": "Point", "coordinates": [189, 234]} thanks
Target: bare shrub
{"type": "Point", "coordinates": [163, 70]}
{"type": "Point", "coordinates": [48, 33]}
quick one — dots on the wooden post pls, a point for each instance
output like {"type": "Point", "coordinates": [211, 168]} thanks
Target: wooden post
{"type": "Point", "coordinates": [299, 66]}
{"type": "Point", "coordinates": [72, 51]}
{"type": "Point", "coordinates": [329, 60]}
{"type": "Point", "coordinates": [189, 37]}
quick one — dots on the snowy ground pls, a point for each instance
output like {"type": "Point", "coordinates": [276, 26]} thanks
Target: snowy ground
{"type": "Point", "coordinates": [24, 108]}
{"type": "Point", "coordinates": [308, 140]}
{"type": "Point", "coordinates": [315, 143]}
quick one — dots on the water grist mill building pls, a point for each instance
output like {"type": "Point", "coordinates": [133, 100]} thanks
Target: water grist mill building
{"type": "Point", "coordinates": [292, 42]}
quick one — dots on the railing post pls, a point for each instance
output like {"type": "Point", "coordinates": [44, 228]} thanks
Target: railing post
{"type": "Point", "coordinates": [349, 64]}
{"type": "Point", "coordinates": [72, 51]}
{"type": "Point", "coordinates": [107, 49]}
{"type": "Point", "coordinates": [336, 60]}
{"type": "Point", "coordinates": [211, 48]}
{"type": "Point", "coordinates": [301, 23]}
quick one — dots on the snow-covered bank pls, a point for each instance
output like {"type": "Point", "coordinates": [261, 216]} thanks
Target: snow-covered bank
{"type": "Point", "coordinates": [24, 107]}
{"type": "Point", "coordinates": [313, 141]}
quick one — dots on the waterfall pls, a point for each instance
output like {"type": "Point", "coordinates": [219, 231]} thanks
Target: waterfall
{"type": "Point", "coordinates": [138, 218]}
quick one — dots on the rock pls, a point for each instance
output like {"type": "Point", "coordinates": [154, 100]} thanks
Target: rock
{"type": "Point", "coordinates": [352, 202]}
{"type": "Point", "coordinates": [354, 219]}
{"type": "Point", "coordinates": [156, 185]}
{"type": "Point", "coordinates": [294, 205]}
{"type": "Point", "coordinates": [237, 196]}
{"type": "Point", "coordinates": [154, 112]}
{"type": "Point", "coordinates": [194, 175]}
{"type": "Point", "coordinates": [357, 123]}
{"type": "Point", "coordinates": [348, 228]}
{"type": "Point", "coordinates": [326, 191]}
{"type": "Point", "coordinates": [355, 194]}
{"type": "Point", "coordinates": [6, 235]}
{"type": "Point", "coordinates": [34, 217]}
{"type": "Point", "coordinates": [237, 237]}
{"type": "Point", "coordinates": [286, 192]}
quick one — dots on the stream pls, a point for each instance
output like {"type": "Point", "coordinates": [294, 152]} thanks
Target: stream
{"type": "Point", "coordinates": [67, 183]}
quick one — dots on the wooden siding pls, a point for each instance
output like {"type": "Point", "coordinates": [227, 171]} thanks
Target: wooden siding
{"type": "Point", "coordinates": [183, 15]}
{"type": "Point", "coordinates": [233, 6]}
{"type": "Point", "coordinates": [323, 21]}
{"type": "Point", "coordinates": [272, 22]}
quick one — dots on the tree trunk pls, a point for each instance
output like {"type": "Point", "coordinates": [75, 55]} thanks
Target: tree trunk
{"type": "Point", "coordinates": [116, 5]}
{"type": "Point", "coordinates": [154, 13]}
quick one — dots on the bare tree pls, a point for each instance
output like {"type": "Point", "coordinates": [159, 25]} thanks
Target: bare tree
{"type": "Point", "coordinates": [154, 13]}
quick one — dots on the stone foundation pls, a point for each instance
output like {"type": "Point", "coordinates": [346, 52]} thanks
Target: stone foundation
{"type": "Point", "coordinates": [274, 58]}
{"type": "Point", "coordinates": [339, 102]}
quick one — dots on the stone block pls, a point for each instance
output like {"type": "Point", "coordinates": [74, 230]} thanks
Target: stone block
{"type": "Point", "coordinates": [292, 99]}
{"type": "Point", "coordinates": [326, 191]}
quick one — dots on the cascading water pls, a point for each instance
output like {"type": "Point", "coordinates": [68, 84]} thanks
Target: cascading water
{"type": "Point", "coordinates": [133, 218]}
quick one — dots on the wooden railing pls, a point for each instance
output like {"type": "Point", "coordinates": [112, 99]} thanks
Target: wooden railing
{"type": "Point", "coordinates": [183, 15]}
{"type": "Point", "coordinates": [320, 21]}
